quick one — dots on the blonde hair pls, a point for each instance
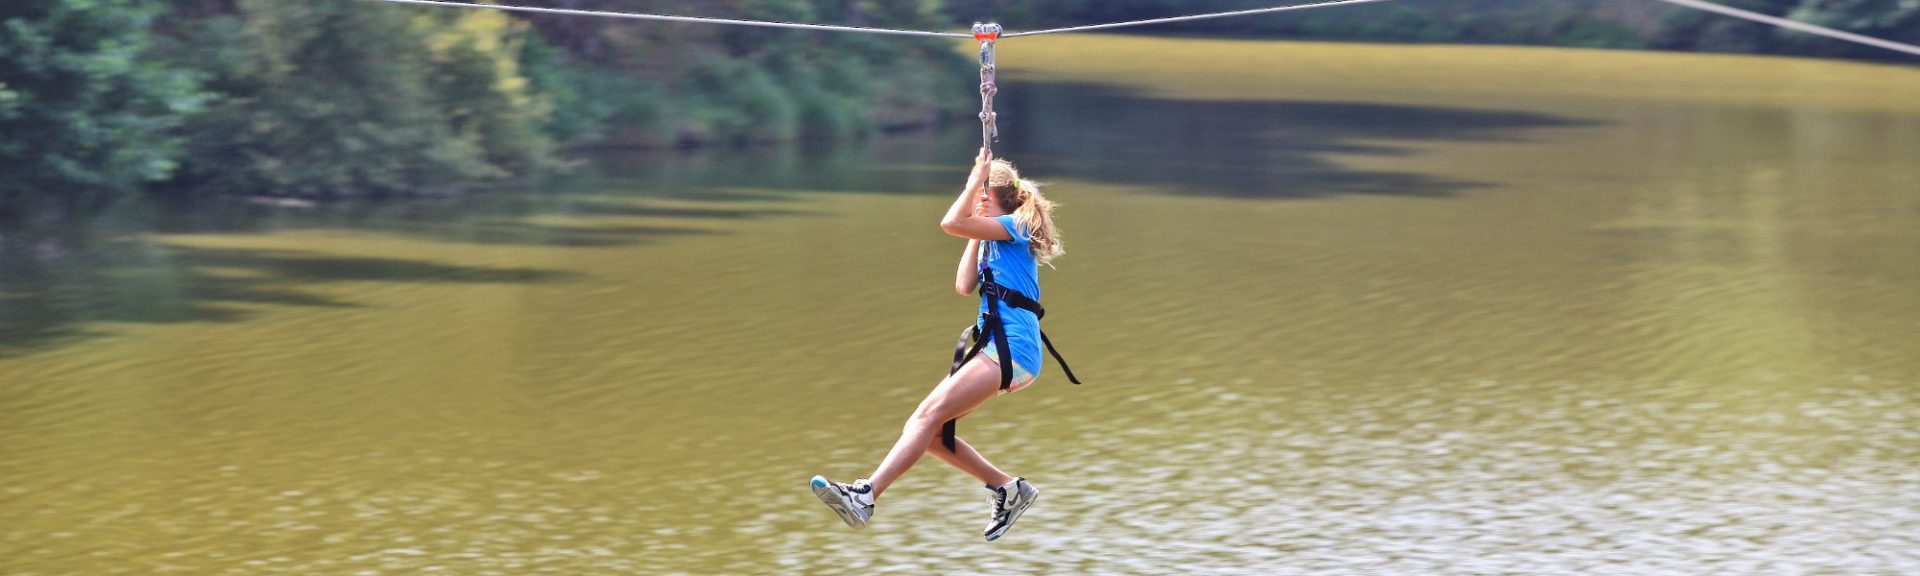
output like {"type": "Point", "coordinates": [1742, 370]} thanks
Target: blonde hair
{"type": "Point", "coordinates": [1031, 210]}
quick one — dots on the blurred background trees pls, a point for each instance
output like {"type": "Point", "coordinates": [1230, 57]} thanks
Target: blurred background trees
{"type": "Point", "coordinates": [346, 98]}
{"type": "Point", "coordinates": [81, 111]}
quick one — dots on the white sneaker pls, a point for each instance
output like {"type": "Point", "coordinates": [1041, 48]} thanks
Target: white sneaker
{"type": "Point", "coordinates": [853, 502]}
{"type": "Point", "coordinates": [1009, 502]}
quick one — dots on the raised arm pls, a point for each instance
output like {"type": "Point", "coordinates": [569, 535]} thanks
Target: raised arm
{"type": "Point", "coordinates": [961, 219]}
{"type": "Point", "coordinates": [968, 276]}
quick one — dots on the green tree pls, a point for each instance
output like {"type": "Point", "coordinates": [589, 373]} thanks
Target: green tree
{"type": "Point", "coordinates": [83, 113]}
{"type": "Point", "coordinates": [1689, 29]}
{"type": "Point", "coordinates": [330, 99]}
{"type": "Point", "coordinates": [665, 84]}
{"type": "Point", "coordinates": [477, 82]}
{"type": "Point", "coordinates": [1896, 20]}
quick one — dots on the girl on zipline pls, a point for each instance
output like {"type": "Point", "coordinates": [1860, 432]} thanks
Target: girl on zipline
{"type": "Point", "coordinates": [1009, 230]}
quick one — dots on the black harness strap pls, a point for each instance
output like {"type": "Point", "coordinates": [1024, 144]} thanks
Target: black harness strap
{"type": "Point", "coordinates": [995, 332]}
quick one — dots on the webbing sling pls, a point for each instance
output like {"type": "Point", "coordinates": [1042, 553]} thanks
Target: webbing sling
{"type": "Point", "coordinates": [995, 331]}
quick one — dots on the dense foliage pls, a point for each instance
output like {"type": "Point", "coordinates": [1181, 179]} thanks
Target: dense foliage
{"type": "Point", "coordinates": [343, 99]}
{"type": "Point", "coordinates": [340, 98]}
{"type": "Point", "coordinates": [618, 82]}
{"type": "Point", "coordinates": [1897, 20]}
{"type": "Point", "coordinates": [80, 113]}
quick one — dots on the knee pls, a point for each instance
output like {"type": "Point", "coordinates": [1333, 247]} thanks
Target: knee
{"type": "Point", "coordinates": [924, 418]}
{"type": "Point", "coordinates": [934, 407]}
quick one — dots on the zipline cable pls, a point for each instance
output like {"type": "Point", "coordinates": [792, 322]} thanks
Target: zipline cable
{"type": "Point", "coordinates": [1186, 18]}
{"type": "Point", "coordinates": [987, 34]}
{"type": "Point", "coordinates": [1693, 4]}
{"type": "Point", "coordinates": [1797, 25]}
{"type": "Point", "coordinates": [695, 19]}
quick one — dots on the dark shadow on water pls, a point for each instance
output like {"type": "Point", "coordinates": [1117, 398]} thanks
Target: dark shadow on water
{"type": "Point", "coordinates": [283, 266]}
{"type": "Point", "coordinates": [56, 281]}
{"type": "Point", "coordinates": [1055, 131]}
{"type": "Point", "coordinates": [1239, 148]}
{"type": "Point", "coordinates": [604, 208]}
{"type": "Point", "coordinates": [60, 277]}
{"type": "Point", "coordinates": [503, 219]}
{"type": "Point", "coordinates": [53, 291]}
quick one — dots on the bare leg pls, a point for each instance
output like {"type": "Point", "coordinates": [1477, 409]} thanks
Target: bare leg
{"type": "Point", "coordinates": [975, 384]}
{"type": "Point", "coordinates": [969, 461]}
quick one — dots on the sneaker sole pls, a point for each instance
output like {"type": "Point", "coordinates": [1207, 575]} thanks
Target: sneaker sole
{"type": "Point", "coordinates": [1016, 516]}
{"type": "Point", "coordinates": [823, 490]}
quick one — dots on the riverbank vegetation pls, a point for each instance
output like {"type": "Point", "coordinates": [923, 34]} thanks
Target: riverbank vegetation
{"type": "Point", "coordinates": [341, 99]}
{"type": "Point", "coordinates": [358, 99]}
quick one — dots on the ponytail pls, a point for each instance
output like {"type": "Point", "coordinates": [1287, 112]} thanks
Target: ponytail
{"type": "Point", "coordinates": [1035, 215]}
{"type": "Point", "coordinates": [1032, 211]}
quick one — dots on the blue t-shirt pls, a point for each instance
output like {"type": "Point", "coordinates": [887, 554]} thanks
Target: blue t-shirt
{"type": "Point", "coordinates": [1013, 266]}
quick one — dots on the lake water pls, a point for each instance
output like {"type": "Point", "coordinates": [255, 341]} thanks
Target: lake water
{"type": "Point", "coordinates": [1341, 309]}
